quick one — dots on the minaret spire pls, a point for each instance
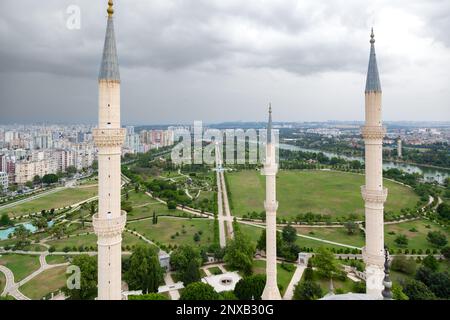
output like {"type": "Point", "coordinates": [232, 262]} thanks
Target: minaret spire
{"type": "Point", "coordinates": [269, 125]}
{"type": "Point", "coordinates": [109, 68]}
{"type": "Point", "coordinates": [373, 78]}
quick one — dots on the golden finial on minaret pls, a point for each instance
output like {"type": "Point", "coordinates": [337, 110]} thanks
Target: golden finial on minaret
{"type": "Point", "coordinates": [110, 8]}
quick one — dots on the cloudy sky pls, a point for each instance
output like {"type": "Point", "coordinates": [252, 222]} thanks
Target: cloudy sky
{"type": "Point", "coordinates": [224, 60]}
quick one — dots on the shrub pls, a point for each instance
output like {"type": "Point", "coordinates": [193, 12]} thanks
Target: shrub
{"type": "Point", "coordinates": [251, 287]}
{"type": "Point", "coordinates": [307, 290]}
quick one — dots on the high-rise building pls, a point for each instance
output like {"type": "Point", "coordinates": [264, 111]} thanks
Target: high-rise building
{"type": "Point", "coordinates": [4, 181]}
{"type": "Point", "coordinates": [373, 192]}
{"type": "Point", "coordinates": [110, 220]}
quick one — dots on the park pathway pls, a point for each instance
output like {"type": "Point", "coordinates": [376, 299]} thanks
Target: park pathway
{"type": "Point", "coordinates": [12, 288]}
{"type": "Point", "coordinates": [295, 279]}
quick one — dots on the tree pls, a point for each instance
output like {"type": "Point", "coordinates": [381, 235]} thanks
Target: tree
{"type": "Point", "coordinates": [40, 223]}
{"type": "Point", "coordinates": [5, 220]}
{"type": "Point", "coordinates": [437, 282]}
{"type": "Point", "coordinates": [289, 234]}
{"type": "Point", "coordinates": [171, 205]}
{"type": "Point", "coordinates": [401, 240]}
{"type": "Point", "coordinates": [397, 292]}
{"type": "Point", "coordinates": [127, 206]}
{"type": "Point", "coordinates": [404, 265]}
{"type": "Point", "coordinates": [437, 238]}
{"type": "Point", "coordinates": [431, 263]}
{"type": "Point", "coordinates": [444, 211]}
{"type": "Point", "coordinates": [88, 279]}
{"type": "Point", "coordinates": [309, 272]}
{"type": "Point", "coordinates": [261, 244]}
{"type": "Point", "coordinates": [351, 226]}
{"type": "Point", "coordinates": [307, 290]}
{"type": "Point", "coordinates": [251, 287]}
{"type": "Point", "coordinates": [71, 171]}
{"type": "Point", "coordinates": [29, 184]}
{"type": "Point", "coordinates": [199, 291]}
{"type": "Point", "coordinates": [325, 263]}
{"type": "Point", "coordinates": [148, 296]}
{"type": "Point", "coordinates": [144, 272]}
{"type": "Point", "coordinates": [183, 260]}
{"type": "Point", "coordinates": [416, 290]}
{"type": "Point", "coordinates": [22, 237]}
{"type": "Point", "coordinates": [192, 273]}
{"type": "Point", "coordinates": [239, 253]}
{"type": "Point", "coordinates": [446, 252]}
{"type": "Point", "coordinates": [37, 179]}
{"type": "Point", "coordinates": [50, 178]}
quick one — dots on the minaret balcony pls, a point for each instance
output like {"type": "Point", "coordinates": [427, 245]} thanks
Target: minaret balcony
{"type": "Point", "coordinates": [271, 206]}
{"type": "Point", "coordinates": [109, 137]}
{"type": "Point", "coordinates": [374, 196]}
{"type": "Point", "coordinates": [372, 259]}
{"type": "Point", "coordinates": [373, 132]}
{"type": "Point", "coordinates": [109, 227]}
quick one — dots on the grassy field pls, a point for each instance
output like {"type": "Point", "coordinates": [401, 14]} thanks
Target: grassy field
{"type": "Point", "coordinates": [215, 270]}
{"type": "Point", "coordinates": [325, 192]}
{"type": "Point", "coordinates": [167, 227]}
{"type": "Point", "coordinates": [284, 276]}
{"type": "Point", "coordinates": [339, 235]}
{"type": "Point", "coordinates": [146, 210]}
{"type": "Point", "coordinates": [58, 199]}
{"type": "Point", "coordinates": [21, 265]}
{"type": "Point", "coordinates": [417, 239]}
{"type": "Point", "coordinates": [90, 240]}
{"type": "Point", "coordinates": [56, 259]}
{"type": "Point", "coordinates": [2, 282]}
{"type": "Point", "coordinates": [46, 282]}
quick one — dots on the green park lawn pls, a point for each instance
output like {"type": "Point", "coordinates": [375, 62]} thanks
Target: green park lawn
{"type": "Point", "coordinates": [2, 282]}
{"type": "Point", "coordinates": [324, 192]}
{"type": "Point", "coordinates": [56, 259]}
{"type": "Point", "coordinates": [167, 227]}
{"type": "Point", "coordinates": [21, 265]}
{"type": "Point", "coordinates": [338, 235]}
{"type": "Point", "coordinates": [46, 282]}
{"type": "Point", "coordinates": [90, 240]}
{"type": "Point", "coordinates": [146, 210]}
{"type": "Point", "coordinates": [416, 240]}
{"type": "Point", "coordinates": [215, 270]}
{"type": "Point", "coordinates": [284, 276]}
{"type": "Point", "coordinates": [55, 200]}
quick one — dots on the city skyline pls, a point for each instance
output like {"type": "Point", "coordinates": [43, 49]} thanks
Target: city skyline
{"type": "Point", "coordinates": [311, 65]}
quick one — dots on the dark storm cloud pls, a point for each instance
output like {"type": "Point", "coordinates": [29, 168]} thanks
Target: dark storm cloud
{"type": "Point", "coordinates": [191, 52]}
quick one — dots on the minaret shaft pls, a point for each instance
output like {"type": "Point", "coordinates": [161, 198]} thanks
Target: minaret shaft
{"type": "Point", "coordinates": [110, 220]}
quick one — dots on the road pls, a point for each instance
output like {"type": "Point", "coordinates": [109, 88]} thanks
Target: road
{"type": "Point", "coordinates": [223, 214]}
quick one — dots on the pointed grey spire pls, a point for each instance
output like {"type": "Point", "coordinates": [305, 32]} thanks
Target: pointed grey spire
{"type": "Point", "coordinates": [373, 79]}
{"type": "Point", "coordinates": [109, 69]}
{"type": "Point", "coordinates": [269, 125]}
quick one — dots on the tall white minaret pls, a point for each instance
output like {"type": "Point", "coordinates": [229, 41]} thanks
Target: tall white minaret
{"type": "Point", "coordinates": [373, 192]}
{"type": "Point", "coordinates": [110, 220]}
{"type": "Point", "coordinates": [271, 291]}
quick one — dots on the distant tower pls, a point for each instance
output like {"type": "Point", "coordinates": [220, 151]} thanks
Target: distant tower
{"type": "Point", "coordinates": [110, 220]}
{"type": "Point", "coordinates": [271, 291]}
{"type": "Point", "coordinates": [373, 192]}
{"type": "Point", "coordinates": [399, 147]}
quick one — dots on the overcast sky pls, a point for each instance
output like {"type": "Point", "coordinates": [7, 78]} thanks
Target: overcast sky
{"type": "Point", "coordinates": [225, 60]}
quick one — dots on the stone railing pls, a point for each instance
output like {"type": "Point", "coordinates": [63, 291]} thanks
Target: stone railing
{"type": "Point", "coordinates": [378, 196]}
{"type": "Point", "coordinates": [109, 226]}
{"type": "Point", "coordinates": [373, 132]}
{"type": "Point", "coordinates": [107, 137]}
